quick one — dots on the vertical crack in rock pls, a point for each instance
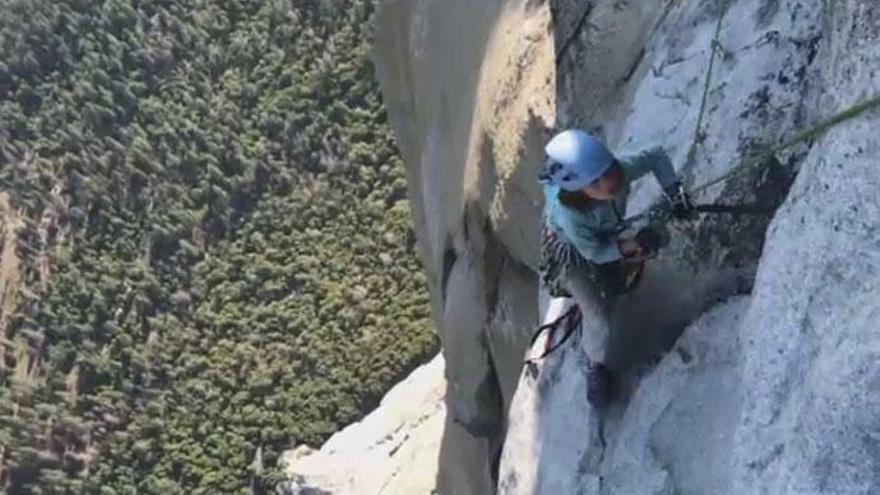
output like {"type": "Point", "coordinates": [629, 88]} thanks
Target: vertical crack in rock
{"type": "Point", "coordinates": [449, 258]}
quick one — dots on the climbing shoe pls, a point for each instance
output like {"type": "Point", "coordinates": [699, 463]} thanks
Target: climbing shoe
{"type": "Point", "coordinates": [598, 385]}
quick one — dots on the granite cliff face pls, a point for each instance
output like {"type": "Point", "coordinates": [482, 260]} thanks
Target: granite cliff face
{"type": "Point", "coordinates": [747, 359]}
{"type": "Point", "coordinates": [392, 451]}
{"type": "Point", "coordinates": [470, 90]}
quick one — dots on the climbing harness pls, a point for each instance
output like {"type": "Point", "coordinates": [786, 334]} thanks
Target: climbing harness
{"type": "Point", "coordinates": [610, 279]}
{"type": "Point", "coordinates": [569, 322]}
{"type": "Point", "coordinates": [559, 256]}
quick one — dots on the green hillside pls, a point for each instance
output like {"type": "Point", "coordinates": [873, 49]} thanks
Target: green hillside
{"type": "Point", "coordinates": [213, 253]}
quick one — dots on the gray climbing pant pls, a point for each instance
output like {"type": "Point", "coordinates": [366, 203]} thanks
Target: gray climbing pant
{"type": "Point", "coordinates": [595, 288]}
{"type": "Point", "coordinates": [595, 309]}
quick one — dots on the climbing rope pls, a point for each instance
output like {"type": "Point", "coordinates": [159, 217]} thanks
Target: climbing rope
{"type": "Point", "coordinates": [810, 134]}
{"type": "Point", "coordinates": [557, 254]}
{"type": "Point", "coordinates": [716, 42]}
{"type": "Point", "coordinates": [760, 159]}
{"type": "Point", "coordinates": [660, 211]}
{"type": "Point", "coordinates": [570, 321]}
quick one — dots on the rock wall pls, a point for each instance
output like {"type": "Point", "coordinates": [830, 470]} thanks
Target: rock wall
{"type": "Point", "coordinates": [770, 388]}
{"type": "Point", "coordinates": [469, 87]}
{"type": "Point", "coordinates": [392, 451]}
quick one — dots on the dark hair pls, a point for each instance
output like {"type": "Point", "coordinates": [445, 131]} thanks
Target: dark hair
{"type": "Point", "coordinates": [577, 200]}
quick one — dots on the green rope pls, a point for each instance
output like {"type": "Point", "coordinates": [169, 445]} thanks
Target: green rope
{"type": "Point", "coordinates": [762, 158]}
{"type": "Point", "coordinates": [807, 135]}
{"type": "Point", "coordinates": [692, 152]}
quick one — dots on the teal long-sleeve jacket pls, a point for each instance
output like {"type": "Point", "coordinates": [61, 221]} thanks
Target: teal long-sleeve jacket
{"type": "Point", "coordinates": [593, 232]}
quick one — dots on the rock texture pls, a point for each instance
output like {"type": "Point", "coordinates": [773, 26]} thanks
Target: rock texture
{"type": "Point", "coordinates": [674, 434]}
{"type": "Point", "coordinates": [772, 386]}
{"type": "Point", "coordinates": [469, 87]}
{"type": "Point", "coordinates": [391, 451]}
{"type": "Point", "coordinates": [810, 420]}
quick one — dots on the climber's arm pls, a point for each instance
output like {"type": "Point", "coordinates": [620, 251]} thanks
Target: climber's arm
{"type": "Point", "coordinates": [654, 160]}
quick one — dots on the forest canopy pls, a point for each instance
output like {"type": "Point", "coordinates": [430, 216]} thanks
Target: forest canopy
{"type": "Point", "coordinates": [207, 246]}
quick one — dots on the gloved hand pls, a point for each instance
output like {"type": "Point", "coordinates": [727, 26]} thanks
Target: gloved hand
{"type": "Point", "coordinates": [682, 209]}
{"type": "Point", "coordinates": [651, 240]}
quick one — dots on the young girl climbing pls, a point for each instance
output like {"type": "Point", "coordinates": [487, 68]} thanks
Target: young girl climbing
{"type": "Point", "coordinates": [585, 190]}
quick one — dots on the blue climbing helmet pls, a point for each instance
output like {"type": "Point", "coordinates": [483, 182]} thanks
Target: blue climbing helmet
{"type": "Point", "coordinates": [575, 160]}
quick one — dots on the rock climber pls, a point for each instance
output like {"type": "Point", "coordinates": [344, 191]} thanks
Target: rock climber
{"type": "Point", "coordinates": [585, 191]}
